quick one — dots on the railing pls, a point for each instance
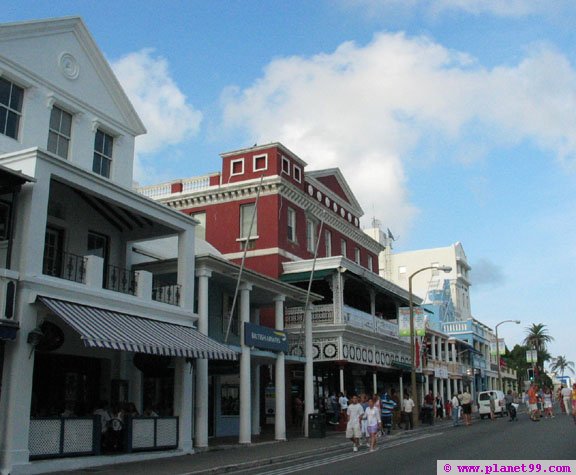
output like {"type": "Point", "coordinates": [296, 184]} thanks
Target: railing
{"type": "Point", "coordinates": [120, 280]}
{"type": "Point", "coordinates": [151, 433]}
{"type": "Point", "coordinates": [359, 319]}
{"type": "Point", "coordinates": [65, 265]}
{"type": "Point", "coordinates": [324, 315]}
{"type": "Point", "coordinates": [194, 184]}
{"type": "Point", "coordinates": [156, 191]}
{"type": "Point", "coordinates": [321, 314]}
{"type": "Point", "coordinates": [166, 293]}
{"type": "Point", "coordinates": [52, 437]}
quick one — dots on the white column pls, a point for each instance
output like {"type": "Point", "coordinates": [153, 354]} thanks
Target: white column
{"type": "Point", "coordinates": [245, 376]}
{"type": "Point", "coordinates": [375, 382]}
{"type": "Point", "coordinates": [308, 369]}
{"type": "Point", "coordinates": [433, 344]}
{"type": "Point", "coordinates": [341, 371]}
{"type": "Point", "coordinates": [435, 385]}
{"type": "Point", "coordinates": [280, 375]}
{"type": "Point", "coordinates": [441, 388]}
{"type": "Point", "coordinates": [201, 388]}
{"type": "Point", "coordinates": [454, 352]}
{"type": "Point", "coordinates": [255, 399]}
{"type": "Point", "coordinates": [446, 351]}
{"type": "Point", "coordinates": [439, 349]}
{"type": "Point", "coordinates": [183, 403]}
{"type": "Point", "coordinates": [186, 269]}
{"type": "Point", "coordinates": [449, 388]}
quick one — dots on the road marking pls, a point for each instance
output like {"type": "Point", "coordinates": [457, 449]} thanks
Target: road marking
{"type": "Point", "coordinates": [338, 458]}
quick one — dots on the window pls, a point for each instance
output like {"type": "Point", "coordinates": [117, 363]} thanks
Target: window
{"type": "Point", "coordinates": [59, 132]}
{"type": "Point", "coordinates": [291, 225]}
{"type": "Point", "coordinates": [103, 144]}
{"type": "Point", "coordinates": [343, 248]}
{"type": "Point", "coordinates": [11, 98]}
{"type": "Point", "coordinates": [402, 272]}
{"type": "Point", "coordinates": [357, 256]}
{"type": "Point", "coordinates": [53, 245]}
{"type": "Point", "coordinates": [260, 163]}
{"type": "Point", "coordinates": [200, 229]}
{"type": "Point", "coordinates": [370, 263]}
{"type": "Point", "coordinates": [285, 165]}
{"type": "Point", "coordinates": [297, 173]}
{"type": "Point", "coordinates": [237, 167]}
{"type": "Point", "coordinates": [246, 213]}
{"type": "Point", "coordinates": [98, 245]}
{"type": "Point", "coordinates": [310, 235]}
{"type": "Point", "coordinates": [328, 243]}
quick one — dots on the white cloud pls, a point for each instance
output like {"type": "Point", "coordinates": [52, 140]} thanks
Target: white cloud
{"type": "Point", "coordinates": [159, 102]}
{"type": "Point", "coordinates": [367, 109]}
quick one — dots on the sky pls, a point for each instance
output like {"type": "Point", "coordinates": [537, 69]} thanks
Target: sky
{"type": "Point", "coordinates": [452, 120]}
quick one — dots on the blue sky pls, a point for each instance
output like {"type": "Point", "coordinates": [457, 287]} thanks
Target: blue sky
{"type": "Point", "coordinates": [453, 120]}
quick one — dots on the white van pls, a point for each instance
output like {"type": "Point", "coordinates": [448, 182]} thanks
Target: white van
{"type": "Point", "coordinates": [484, 403]}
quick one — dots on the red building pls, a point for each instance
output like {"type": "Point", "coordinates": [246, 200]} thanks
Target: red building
{"type": "Point", "coordinates": [292, 204]}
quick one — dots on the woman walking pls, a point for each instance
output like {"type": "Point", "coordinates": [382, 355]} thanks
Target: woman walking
{"type": "Point", "coordinates": [373, 423]}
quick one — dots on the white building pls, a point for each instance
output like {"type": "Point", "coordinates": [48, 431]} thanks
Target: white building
{"type": "Point", "coordinates": [75, 314]}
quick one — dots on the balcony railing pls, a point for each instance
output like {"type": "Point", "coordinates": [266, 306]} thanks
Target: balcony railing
{"type": "Point", "coordinates": [65, 265]}
{"type": "Point", "coordinates": [166, 293]}
{"type": "Point", "coordinates": [324, 315]}
{"type": "Point", "coordinates": [121, 280]}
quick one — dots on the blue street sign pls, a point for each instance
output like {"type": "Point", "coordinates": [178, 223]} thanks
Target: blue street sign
{"type": "Point", "coordinates": [265, 338]}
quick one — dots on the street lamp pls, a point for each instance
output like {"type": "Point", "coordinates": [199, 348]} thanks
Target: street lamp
{"type": "Point", "coordinates": [412, 336]}
{"type": "Point", "coordinates": [517, 322]}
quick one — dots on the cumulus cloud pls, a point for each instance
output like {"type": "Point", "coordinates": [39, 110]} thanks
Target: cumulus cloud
{"type": "Point", "coordinates": [486, 274]}
{"type": "Point", "coordinates": [369, 109]}
{"type": "Point", "coordinates": [167, 115]}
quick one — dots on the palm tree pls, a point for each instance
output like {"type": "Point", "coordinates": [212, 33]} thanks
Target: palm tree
{"type": "Point", "coordinates": [561, 364]}
{"type": "Point", "coordinates": [537, 337]}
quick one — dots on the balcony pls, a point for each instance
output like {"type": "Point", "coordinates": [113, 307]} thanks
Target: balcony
{"type": "Point", "coordinates": [120, 280]}
{"type": "Point", "coordinates": [324, 315]}
{"type": "Point", "coordinates": [166, 293]}
{"type": "Point", "coordinates": [65, 265]}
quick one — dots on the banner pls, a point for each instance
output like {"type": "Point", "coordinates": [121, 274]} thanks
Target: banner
{"type": "Point", "coordinates": [404, 321]}
{"type": "Point", "coordinates": [501, 347]}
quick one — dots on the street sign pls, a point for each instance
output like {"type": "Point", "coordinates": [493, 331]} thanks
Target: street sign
{"type": "Point", "coordinates": [265, 338]}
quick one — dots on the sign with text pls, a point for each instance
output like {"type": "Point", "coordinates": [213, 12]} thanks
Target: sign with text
{"type": "Point", "coordinates": [404, 321]}
{"type": "Point", "coordinates": [265, 338]}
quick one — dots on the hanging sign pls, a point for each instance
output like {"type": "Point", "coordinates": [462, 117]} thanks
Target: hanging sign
{"type": "Point", "coordinates": [265, 338]}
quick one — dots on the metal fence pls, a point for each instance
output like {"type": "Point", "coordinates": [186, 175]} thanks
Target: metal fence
{"type": "Point", "coordinates": [151, 433]}
{"type": "Point", "coordinates": [52, 437]}
{"type": "Point", "coordinates": [65, 265]}
{"type": "Point", "coordinates": [120, 280]}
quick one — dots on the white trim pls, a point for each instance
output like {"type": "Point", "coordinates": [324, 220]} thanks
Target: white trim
{"type": "Point", "coordinates": [294, 168]}
{"type": "Point", "coordinates": [232, 162]}
{"type": "Point", "coordinates": [255, 157]}
{"type": "Point", "coordinates": [263, 252]}
{"type": "Point", "coordinates": [287, 162]}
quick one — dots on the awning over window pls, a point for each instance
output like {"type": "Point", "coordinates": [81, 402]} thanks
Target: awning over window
{"type": "Point", "coordinates": [102, 328]}
{"type": "Point", "coordinates": [305, 276]}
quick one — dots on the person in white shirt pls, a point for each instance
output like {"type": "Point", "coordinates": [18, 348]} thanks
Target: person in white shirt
{"type": "Point", "coordinates": [566, 399]}
{"type": "Point", "coordinates": [455, 410]}
{"type": "Point", "coordinates": [373, 422]}
{"type": "Point", "coordinates": [408, 407]}
{"type": "Point", "coordinates": [343, 402]}
{"type": "Point", "coordinates": [354, 415]}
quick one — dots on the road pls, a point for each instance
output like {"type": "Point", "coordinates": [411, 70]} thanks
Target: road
{"type": "Point", "coordinates": [551, 439]}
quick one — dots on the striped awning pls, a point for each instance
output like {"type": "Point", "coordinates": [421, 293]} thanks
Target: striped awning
{"type": "Point", "coordinates": [100, 328]}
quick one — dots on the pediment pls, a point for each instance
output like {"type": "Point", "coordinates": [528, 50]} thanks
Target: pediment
{"type": "Point", "coordinates": [333, 180]}
{"type": "Point", "coordinates": [61, 55]}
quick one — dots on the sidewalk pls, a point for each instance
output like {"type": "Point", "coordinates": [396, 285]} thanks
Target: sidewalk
{"type": "Point", "coordinates": [225, 455]}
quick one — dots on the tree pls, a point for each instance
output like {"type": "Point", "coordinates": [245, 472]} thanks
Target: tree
{"type": "Point", "coordinates": [560, 364]}
{"type": "Point", "coordinates": [537, 337]}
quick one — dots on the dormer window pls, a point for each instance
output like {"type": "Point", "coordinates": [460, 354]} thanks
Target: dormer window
{"type": "Point", "coordinates": [297, 173]}
{"type": "Point", "coordinates": [285, 165]}
{"type": "Point", "coordinates": [237, 167]}
{"type": "Point", "coordinates": [59, 132]}
{"type": "Point", "coordinates": [103, 145]}
{"type": "Point", "coordinates": [11, 98]}
{"type": "Point", "coordinates": [260, 163]}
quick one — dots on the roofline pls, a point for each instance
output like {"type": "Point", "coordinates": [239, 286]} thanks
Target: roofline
{"type": "Point", "coordinates": [257, 148]}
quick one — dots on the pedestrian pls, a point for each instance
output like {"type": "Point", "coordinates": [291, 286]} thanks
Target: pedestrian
{"type": "Point", "coordinates": [364, 400]}
{"type": "Point", "coordinates": [455, 409]}
{"type": "Point", "coordinates": [354, 416]}
{"type": "Point", "coordinates": [439, 408]}
{"type": "Point", "coordinates": [466, 403]}
{"type": "Point", "coordinates": [493, 406]}
{"type": "Point", "coordinates": [408, 408]}
{"type": "Point", "coordinates": [335, 409]}
{"type": "Point", "coordinates": [298, 412]}
{"type": "Point", "coordinates": [547, 400]}
{"type": "Point", "coordinates": [510, 409]}
{"type": "Point", "coordinates": [567, 399]}
{"type": "Point", "coordinates": [343, 403]}
{"type": "Point", "coordinates": [574, 402]}
{"type": "Point", "coordinates": [387, 407]}
{"type": "Point", "coordinates": [373, 423]}
{"type": "Point", "coordinates": [533, 403]}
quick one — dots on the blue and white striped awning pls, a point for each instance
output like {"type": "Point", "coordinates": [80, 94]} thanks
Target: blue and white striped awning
{"type": "Point", "coordinates": [100, 328]}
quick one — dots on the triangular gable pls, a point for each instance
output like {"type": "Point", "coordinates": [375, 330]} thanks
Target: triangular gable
{"type": "Point", "coordinates": [333, 179]}
{"type": "Point", "coordinates": [62, 55]}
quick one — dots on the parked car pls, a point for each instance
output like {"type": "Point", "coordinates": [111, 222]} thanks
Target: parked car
{"type": "Point", "coordinates": [484, 403]}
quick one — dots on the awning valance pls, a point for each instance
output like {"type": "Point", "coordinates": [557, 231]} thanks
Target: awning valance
{"type": "Point", "coordinates": [305, 276]}
{"type": "Point", "coordinates": [102, 328]}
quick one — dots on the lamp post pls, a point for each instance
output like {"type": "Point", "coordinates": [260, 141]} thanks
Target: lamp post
{"type": "Point", "coordinates": [413, 336]}
{"type": "Point", "coordinates": [517, 322]}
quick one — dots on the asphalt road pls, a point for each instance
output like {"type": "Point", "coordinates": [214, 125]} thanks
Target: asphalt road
{"type": "Point", "coordinates": [549, 439]}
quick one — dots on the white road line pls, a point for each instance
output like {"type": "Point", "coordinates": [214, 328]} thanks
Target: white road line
{"type": "Point", "coordinates": [338, 458]}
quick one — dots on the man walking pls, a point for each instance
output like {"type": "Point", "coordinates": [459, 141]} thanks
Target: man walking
{"type": "Point", "coordinates": [466, 401]}
{"type": "Point", "coordinates": [354, 415]}
{"type": "Point", "coordinates": [566, 395]}
{"type": "Point", "coordinates": [408, 407]}
{"type": "Point", "coordinates": [455, 409]}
